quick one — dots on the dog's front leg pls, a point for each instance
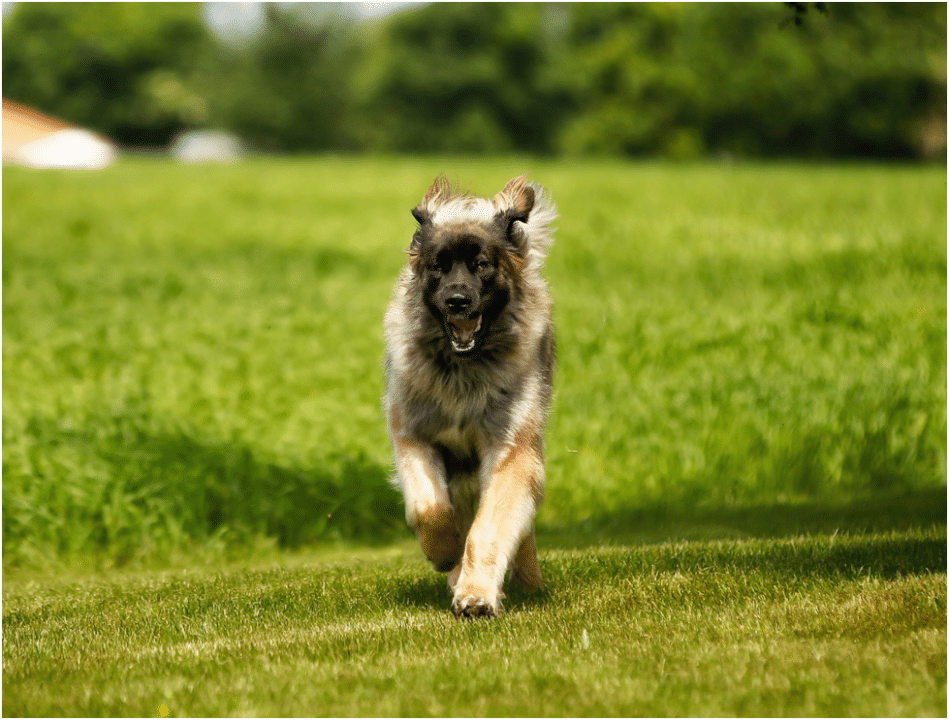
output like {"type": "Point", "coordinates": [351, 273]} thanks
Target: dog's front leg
{"type": "Point", "coordinates": [428, 508]}
{"type": "Point", "coordinates": [505, 515]}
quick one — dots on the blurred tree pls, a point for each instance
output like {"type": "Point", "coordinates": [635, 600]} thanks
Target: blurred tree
{"type": "Point", "coordinates": [679, 79]}
{"type": "Point", "coordinates": [800, 10]}
{"type": "Point", "coordinates": [673, 79]}
{"type": "Point", "coordinates": [849, 83]}
{"type": "Point", "coordinates": [124, 69]}
{"type": "Point", "coordinates": [639, 91]}
{"type": "Point", "coordinates": [465, 77]}
{"type": "Point", "coordinates": [290, 87]}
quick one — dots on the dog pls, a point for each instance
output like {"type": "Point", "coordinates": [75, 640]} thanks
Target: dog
{"type": "Point", "coordinates": [469, 369]}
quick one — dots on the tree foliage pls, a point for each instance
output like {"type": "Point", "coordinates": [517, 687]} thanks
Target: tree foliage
{"type": "Point", "coordinates": [678, 80]}
{"type": "Point", "coordinates": [125, 69]}
{"type": "Point", "coordinates": [735, 78]}
{"type": "Point", "coordinates": [465, 77]}
{"type": "Point", "coordinates": [290, 89]}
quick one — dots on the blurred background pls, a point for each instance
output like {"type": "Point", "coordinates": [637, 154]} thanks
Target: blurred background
{"type": "Point", "coordinates": [749, 276]}
{"type": "Point", "coordinates": [675, 80]}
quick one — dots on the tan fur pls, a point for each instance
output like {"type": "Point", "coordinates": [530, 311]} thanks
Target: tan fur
{"type": "Point", "coordinates": [467, 434]}
{"type": "Point", "coordinates": [526, 570]}
{"type": "Point", "coordinates": [517, 195]}
{"type": "Point", "coordinates": [503, 523]}
{"type": "Point", "coordinates": [438, 535]}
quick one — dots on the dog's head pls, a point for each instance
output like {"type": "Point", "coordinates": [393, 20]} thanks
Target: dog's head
{"type": "Point", "coordinates": [469, 252]}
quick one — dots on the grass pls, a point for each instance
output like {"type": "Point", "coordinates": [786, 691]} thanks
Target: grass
{"type": "Point", "coordinates": [807, 626]}
{"type": "Point", "coordinates": [746, 512]}
{"type": "Point", "coordinates": [192, 356]}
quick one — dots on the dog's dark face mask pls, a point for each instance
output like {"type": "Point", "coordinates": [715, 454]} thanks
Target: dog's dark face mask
{"type": "Point", "coordinates": [469, 270]}
{"type": "Point", "coordinates": [465, 286]}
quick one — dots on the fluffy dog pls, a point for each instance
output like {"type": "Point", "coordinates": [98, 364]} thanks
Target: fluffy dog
{"type": "Point", "coordinates": [469, 367]}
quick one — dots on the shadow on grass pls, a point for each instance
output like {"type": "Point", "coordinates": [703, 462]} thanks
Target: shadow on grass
{"type": "Point", "coordinates": [773, 566]}
{"type": "Point", "coordinates": [869, 514]}
{"type": "Point", "coordinates": [883, 556]}
{"type": "Point", "coordinates": [124, 487]}
{"type": "Point", "coordinates": [813, 539]}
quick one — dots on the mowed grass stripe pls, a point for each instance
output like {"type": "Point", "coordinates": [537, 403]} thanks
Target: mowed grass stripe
{"type": "Point", "coordinates": [824, 625]}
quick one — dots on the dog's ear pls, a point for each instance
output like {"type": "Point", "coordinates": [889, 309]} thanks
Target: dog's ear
{"type": "Point", "coordinates": [514, 204]}
{"type": "Point", "coordinates": [421, 214]}
{"type": "Point", "coordinates": [441, 189]}
{"type": "Point", "coordinates": [516, 200]}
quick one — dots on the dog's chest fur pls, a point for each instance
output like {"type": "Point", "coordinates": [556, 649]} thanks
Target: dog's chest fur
{"type": "Point", "coordinates": [468, 413]}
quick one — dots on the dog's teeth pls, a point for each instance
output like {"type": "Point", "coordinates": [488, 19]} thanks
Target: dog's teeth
{"type": "Point", "coordinates": [463, 334]}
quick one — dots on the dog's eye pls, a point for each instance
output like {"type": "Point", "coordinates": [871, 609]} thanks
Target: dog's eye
{"type": "Point", "coordinates": [441, 263]}
{"type": "Point", "coordinates": [481, 265]}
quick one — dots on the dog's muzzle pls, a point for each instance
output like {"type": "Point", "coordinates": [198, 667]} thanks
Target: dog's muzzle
{"type": "Point", "coordinates": [462, 332]}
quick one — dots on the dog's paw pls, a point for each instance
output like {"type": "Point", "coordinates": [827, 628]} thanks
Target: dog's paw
{"type": "Point", "coordinates": [471, 607]}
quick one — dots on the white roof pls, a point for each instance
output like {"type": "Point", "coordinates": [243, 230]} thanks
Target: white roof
{"type": "Point", "coordinates": [70, 148]}
{"type": "Point", "coordinates": [206, 146]}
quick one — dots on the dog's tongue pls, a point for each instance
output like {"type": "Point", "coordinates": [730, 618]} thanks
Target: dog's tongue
{"type": "Point", "coordinates": [466, 327]}
{"type": "Point", "coordinates": [463, 332]}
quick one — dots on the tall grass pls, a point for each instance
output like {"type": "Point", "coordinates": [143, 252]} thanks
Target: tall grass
{"type": "Point", "coordinates": [192, 356]}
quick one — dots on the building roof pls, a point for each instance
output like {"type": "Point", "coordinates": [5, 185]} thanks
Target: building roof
{"type": "Point", "coordinates": [35, 139]}
{"type": "Point", "coordinates": [22, 125]}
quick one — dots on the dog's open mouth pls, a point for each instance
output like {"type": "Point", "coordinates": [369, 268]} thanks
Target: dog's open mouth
{"type": "Point", "coordinates": [462, 333]}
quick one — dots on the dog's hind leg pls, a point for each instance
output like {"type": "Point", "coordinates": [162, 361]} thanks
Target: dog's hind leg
{"type": "Point", "coordinates": [525, 570]}
{"type": "Point", "coordinates": [463, 489]}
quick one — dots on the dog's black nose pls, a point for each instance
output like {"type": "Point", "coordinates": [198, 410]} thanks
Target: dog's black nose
{"type": "Point", "coordinates": [458, 303]}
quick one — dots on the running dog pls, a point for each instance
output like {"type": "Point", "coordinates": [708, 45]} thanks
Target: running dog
{"type": "Point", "coordinates": [469, 369]}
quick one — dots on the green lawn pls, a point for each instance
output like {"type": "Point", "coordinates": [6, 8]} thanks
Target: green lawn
{"type": "Point", "coordinates": [821, 626]}
{"type": "Point", "coordinates": [746, 511]}
{"type": "Point", "coordinates": [192, 356]}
